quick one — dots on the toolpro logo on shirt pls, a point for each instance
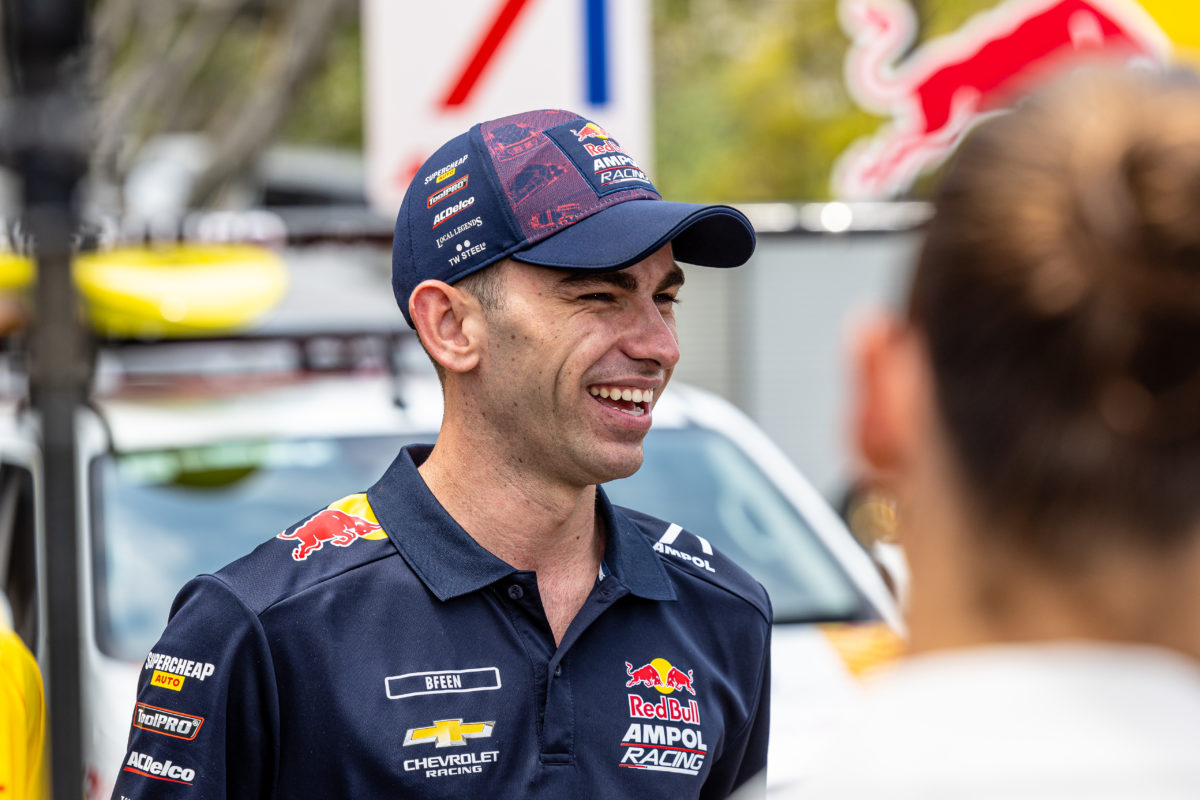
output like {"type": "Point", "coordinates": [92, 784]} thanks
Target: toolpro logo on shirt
{"type": "Point", "coordinates": [167, 722]}
{"type": "Point", "coordinates": [665, 735]}
{"type": "Point", "coordinates": [170, 672]}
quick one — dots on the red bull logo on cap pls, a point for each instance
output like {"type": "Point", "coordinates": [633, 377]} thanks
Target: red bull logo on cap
{"type": "Point", "coordinates": [590, 131]}
{"type": "Point", "coordinates": [941, 87]}
{"type": "Point", "coordinates": [342, 523]}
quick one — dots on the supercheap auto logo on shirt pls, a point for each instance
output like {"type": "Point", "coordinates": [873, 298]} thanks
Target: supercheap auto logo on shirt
{"type": "Point", "coordinates": [170, 672]}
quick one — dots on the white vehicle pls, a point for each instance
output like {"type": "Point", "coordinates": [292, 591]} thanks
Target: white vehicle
{"type": "Point", "coordinates": [187, 468]}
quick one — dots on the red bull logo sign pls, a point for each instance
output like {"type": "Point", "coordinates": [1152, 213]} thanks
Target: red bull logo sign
{"type": "Point", "coordinates": [341, 524]}
{"type": "Point", "coordinates": [936, 92]}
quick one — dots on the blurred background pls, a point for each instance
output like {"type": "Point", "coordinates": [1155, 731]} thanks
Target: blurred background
{"type": "Point", "coordinates": [320, 111]}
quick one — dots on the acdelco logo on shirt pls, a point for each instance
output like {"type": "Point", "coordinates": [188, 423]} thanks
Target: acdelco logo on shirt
{"type": "Point", "coordinates": [170, 672]}
{"type": "Point", "coordinates": [146, 765]}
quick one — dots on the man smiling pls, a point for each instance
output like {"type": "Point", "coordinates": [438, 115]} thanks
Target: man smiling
{"type": "Point", "coordinates": [503, 630]}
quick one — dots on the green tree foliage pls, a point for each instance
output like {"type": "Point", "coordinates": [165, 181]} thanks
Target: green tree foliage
{"type": "Point", "coordinates": [329, 108]}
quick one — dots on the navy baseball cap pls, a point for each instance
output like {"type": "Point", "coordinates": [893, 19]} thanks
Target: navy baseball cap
{"type": "Point", "coordinates": [549, 188]}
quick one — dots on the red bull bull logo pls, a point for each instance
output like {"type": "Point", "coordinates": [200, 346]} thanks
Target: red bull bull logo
{"type": "Point", "coordinates": [341, 524]}
{"type": "Point", "coordinates": [936, 92]}
{"type": "Point", "coordinates": [590, 131]}
{"type": "Point", "coordinates": [659, 674]}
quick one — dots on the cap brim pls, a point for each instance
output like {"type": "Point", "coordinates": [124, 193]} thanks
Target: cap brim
{"type": "Point", "coordinates": [624, 234]}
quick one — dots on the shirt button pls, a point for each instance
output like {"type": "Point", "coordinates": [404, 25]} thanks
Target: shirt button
{"type": "Point", "coordinates": [558, 671]}
{"type": "Point", "coordinates": [516, 592]}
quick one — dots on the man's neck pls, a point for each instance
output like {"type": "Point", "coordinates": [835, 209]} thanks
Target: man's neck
{"type": "Point", "coordinates": [526, 521]}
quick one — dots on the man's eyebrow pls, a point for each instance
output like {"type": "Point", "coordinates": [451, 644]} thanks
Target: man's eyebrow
{"type": "Point", "coordinates": [620, 279]}
{"type": "Point", "coordinates": [617, 278]}
{"type": "Point", "coordinates": [672, 280]}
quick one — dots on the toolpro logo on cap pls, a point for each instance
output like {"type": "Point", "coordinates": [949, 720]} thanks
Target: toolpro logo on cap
{"type": "Point", "coordinates": [599, 157]}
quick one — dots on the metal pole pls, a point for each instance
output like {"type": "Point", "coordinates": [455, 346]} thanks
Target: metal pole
{"type": "Point", "coordinates": [44, 132]}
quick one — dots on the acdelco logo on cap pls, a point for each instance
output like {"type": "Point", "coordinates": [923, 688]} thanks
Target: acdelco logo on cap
{"type": "Point", "coordinates": [449, 211]}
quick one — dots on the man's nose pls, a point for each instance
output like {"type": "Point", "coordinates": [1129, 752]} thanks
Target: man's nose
{"type": "Point", "coordinates": [651, 336]}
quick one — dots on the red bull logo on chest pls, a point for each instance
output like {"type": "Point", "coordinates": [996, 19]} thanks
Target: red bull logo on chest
{"type": "Point", "coordinates": [936, 92]}
{"type": "Point", "coordinates": [660, 674]}
{"type": "Point", "coordinates": [665, 733]}
{"type": "Point", "coordinates": [341, 524]}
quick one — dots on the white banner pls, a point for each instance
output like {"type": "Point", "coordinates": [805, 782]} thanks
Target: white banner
{"type": "Point", "coordinates": [434, 68]}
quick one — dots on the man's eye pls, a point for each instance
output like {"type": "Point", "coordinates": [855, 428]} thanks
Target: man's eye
{"type": "Point", "coordinates": [601, 296]}
{"type": "Point", "coordinates": [666, 298]}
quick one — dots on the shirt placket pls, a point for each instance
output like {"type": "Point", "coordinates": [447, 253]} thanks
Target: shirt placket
{"type": "Point", "coordinates": [551, 665]}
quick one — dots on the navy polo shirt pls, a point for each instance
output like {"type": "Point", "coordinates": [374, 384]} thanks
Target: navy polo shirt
{"type": "Point", "coordinates": [376, 650]}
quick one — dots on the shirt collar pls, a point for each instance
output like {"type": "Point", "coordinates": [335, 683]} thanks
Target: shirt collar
{"type": "Point", "coordinates": [451, 563]}
{"type": "Point", "coordinates": [629, 556]}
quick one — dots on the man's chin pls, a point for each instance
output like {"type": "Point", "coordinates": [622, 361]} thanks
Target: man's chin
{"type": "Point", "coordinates": [616, 469]}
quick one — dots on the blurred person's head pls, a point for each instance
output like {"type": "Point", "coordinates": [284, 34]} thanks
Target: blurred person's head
{"type": "Point", "coordinates": [1039, 407]}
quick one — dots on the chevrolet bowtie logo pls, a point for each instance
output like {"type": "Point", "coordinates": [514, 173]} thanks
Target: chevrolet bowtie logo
{"type": "Point", "coordinates": [449, 733]}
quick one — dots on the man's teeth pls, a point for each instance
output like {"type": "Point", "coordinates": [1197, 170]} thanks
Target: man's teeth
{"type": "Point", "coordinates": [619, 393]}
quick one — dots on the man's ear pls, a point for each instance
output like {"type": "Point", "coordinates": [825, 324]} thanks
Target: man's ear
{"type": "Point", "coordinates": [450, 323]}
{"type": "Point", "coordinates": [889, 391]}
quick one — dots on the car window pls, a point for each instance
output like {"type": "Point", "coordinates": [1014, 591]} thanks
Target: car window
{"type": "Point", "coordinates": [163, 516]}
{"type": "Point", "coordinates": [700, 480]}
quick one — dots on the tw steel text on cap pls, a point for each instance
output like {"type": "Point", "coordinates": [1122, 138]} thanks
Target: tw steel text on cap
{"type": "Point", "coordinates": [548, 188]}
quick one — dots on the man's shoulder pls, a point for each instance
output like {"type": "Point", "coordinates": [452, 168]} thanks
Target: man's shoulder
{"type": "Point", "coordinates": [693, 560]}
{"type": "Point", "coordinates": [328, 543]}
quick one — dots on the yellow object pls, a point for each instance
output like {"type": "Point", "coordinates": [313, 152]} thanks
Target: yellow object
{"type": "Point", "coordinates": [356, 505]}
{"type": "Point", "coordinates": [22, 722]}
{"type": "Point", "coordinates": [1181, 22]}
{"type": "Point", "coordinates": [16, 272]}
{"type": "Point", "coordinates": [179, 290]}
{"type": "Point", "coordinates": [864, 646]}
{"type": "Point", "coordinates": [167, 291]}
